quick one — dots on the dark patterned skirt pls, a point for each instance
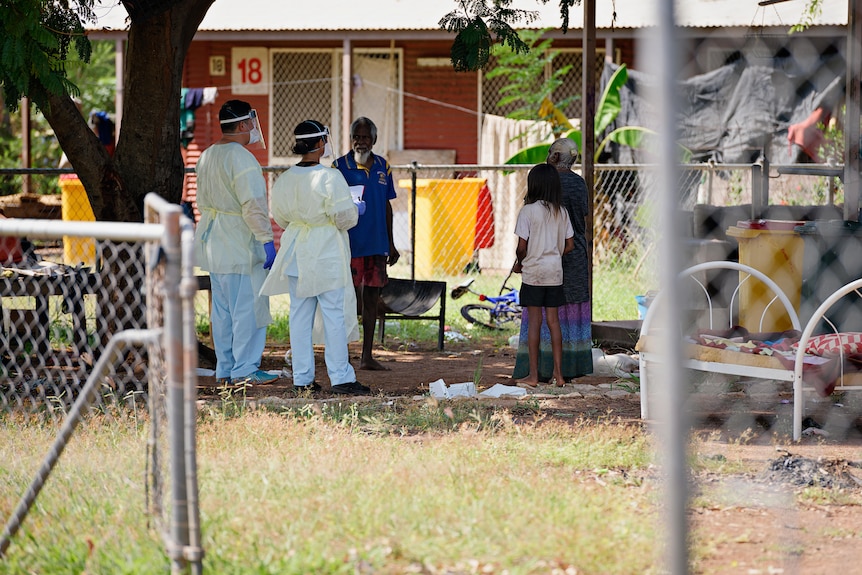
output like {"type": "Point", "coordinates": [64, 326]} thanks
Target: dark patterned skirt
{"type": "Point", "coordinates": [575, 323]}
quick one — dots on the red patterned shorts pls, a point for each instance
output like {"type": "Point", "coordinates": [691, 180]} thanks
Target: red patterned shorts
{"type": "Point", "coordinates": [369, 271]}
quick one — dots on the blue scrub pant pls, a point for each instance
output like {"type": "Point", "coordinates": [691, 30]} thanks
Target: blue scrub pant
{"type": "Point", "coordinates": [302, 310]}
{"type": "Point", "coordinates": [238, 341]}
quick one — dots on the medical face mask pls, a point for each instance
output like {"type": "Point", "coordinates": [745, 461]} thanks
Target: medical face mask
{"type": "Point", "coordinates": [327, 150]}
{"type": "Point", "coordinates": [255, 135]}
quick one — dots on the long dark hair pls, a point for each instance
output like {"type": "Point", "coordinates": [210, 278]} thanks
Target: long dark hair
{"type": "Point", "coordinates": [543, 185]}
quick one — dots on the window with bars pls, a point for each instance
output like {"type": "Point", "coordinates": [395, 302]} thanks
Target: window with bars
{"type": "Point", "coordinates": [306, 84]}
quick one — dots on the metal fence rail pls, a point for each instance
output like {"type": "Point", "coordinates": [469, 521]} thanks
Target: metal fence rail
{"type": "Point", "coordinates": [116, 336]}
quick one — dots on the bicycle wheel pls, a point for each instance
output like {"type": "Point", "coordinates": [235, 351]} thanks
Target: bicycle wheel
{"type": "Point", "coordinates": [508, 318]}
{"type": "Point", "coordinates": [479, 314]}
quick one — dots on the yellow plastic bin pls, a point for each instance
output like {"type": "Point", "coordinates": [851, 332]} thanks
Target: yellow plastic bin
{"type": "Point", "coordinates": [774, 248]}
{"type": "Point", "coordinates": [76, 207]}
{"type": "Point", "coordinates": [446, 212]}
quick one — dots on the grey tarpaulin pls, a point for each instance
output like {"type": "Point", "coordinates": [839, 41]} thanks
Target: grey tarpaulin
{"type": "Point", "coordinates": [732, 113]}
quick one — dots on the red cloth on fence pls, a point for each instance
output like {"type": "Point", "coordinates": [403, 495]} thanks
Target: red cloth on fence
{"type": "Point", "coordinates": [484, 220]}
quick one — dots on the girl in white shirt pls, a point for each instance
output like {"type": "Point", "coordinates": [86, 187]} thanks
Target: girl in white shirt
{"type": "Point", "coordinates": [544, 235]}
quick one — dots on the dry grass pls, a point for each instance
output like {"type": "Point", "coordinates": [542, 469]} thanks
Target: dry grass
{"type": "Point", "coordinates": [308, 493]}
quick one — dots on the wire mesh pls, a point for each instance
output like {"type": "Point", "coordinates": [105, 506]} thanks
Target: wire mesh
{"type": "Point", "coordinates": [307, 85]}
{"type": "Point", "coordinates": [79, 340]}
{"type": "Point", "coordinates": [57, 319]}
{"type": "Point", "coordinates": [307, 77]}
{"type": "Point", "coordinates": [464, 215]}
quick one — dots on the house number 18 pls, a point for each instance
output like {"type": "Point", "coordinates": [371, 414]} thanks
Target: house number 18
{"type": "Point", "coordinates": [250, 71]}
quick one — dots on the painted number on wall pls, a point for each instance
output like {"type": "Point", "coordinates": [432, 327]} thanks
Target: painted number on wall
{"type": "Point", "coordinates": [249, 70]}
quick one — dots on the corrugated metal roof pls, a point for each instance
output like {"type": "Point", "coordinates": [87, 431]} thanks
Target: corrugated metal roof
{"type": "Point", "coordinates": [381, 15]}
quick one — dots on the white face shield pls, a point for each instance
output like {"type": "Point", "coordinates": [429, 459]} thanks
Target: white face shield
{"type": "Point", "coordinates": [255, 139]}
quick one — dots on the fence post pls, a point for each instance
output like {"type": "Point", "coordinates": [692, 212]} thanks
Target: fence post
{"type": "Point", "coordinates": [173, 342]}
{"type": "Point", "coordinates": [413, 167]}
{"type": "Point", "coordinates": [188, 289]}
{"type": "Point", "coordinates": [759, 196]}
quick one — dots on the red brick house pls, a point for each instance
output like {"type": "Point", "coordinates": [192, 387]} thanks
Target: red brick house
{"type": "Point", "coordinates": [389, 60]}
{"type": "Point", "coordinates": [292, 67]}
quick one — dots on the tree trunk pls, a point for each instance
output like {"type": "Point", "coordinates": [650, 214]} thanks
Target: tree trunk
{"type": "Point", "coordinates": [147, 157]}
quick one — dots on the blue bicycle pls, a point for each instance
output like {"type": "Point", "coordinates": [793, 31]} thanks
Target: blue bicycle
{"type": "Point", "coordinates": [504, 310]}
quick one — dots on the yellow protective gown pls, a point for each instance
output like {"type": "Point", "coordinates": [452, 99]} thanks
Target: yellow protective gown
{"type": "Point", "coordinates": [234, 224]}
{"type": "Point", "coordinates": [314, 206]}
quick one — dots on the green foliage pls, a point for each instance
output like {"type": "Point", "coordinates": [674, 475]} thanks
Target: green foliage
{"type": "Point", "coordinates": [607, 110]}
{"type": "Point", "coordinates": [525, 75]}
{"type": "Point", "coordinates": [478, 26]}
{"type": "Point", "coordinates": [471, 47]}
{"type": "Point", "coordinates": [832, 146]}
{"type": "Point", "coordinates": [813, 9]}
{"type": "Point", "coordinates": [96, 80]}
{"type": "Point", "coordinates": [279, 329]}
{"type": "Point", "coordinates": [36, 41]}
{"type": "Point", "coordinates": [44, 153]}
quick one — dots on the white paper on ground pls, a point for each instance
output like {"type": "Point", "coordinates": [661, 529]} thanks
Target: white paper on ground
{"type": "Point", "coordinates": [438, 389]}
{"type": "Point", "coordinates": [614, 365]}
{"type": "Point", "coordinates": [500, 390]}
{"type": "Point", "coordinates": [467, 389]}
{"type": "Point", "coordinates": [205, 372]}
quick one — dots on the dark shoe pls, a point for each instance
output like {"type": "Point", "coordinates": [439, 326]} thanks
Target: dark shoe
{"type": "Point", "coordinates": [313, 388]}
{"type": "Point", "coordinates": [352, 388]}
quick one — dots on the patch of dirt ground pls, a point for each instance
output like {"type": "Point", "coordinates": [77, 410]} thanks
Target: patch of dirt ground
{"type": "Point", "coordinates": [760, 522]}
{"type": "Point", "coordinates": [413, 367]}
{"type": "Point", "coordinates": [748, 511]}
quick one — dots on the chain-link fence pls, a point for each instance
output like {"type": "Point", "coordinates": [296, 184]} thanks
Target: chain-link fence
{"type": "Point", "coordinates": [452, 220]}
{"type": "Point", "coordinates": [116, 338]}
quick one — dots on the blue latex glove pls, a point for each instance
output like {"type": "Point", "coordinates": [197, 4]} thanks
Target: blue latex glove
{"type": "Point", "coordinates": [360, 205]}
{"type": "Point", "coordinates": [269, 248]}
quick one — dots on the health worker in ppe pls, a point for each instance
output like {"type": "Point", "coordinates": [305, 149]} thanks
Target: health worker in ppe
{"type": "Point", "coordinates": [314, 206]}
{"type": "Point", "coordinates": [234, 243]}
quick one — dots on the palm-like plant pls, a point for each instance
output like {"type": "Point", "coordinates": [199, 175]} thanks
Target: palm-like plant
{"type": "Point", "coordinates": [606, 112]}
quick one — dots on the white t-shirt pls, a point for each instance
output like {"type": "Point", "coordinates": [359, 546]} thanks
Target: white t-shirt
{"type": "Point", "coordinates": [546, 235]}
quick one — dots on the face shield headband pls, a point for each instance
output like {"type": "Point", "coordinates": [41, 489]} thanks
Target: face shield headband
{"type": "Point", "coordinates": [327, 148]}
{"type": "Point", "coordinates": [324, 133]}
